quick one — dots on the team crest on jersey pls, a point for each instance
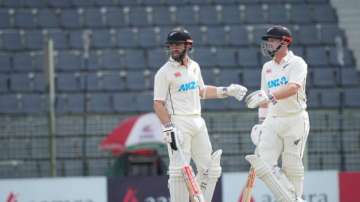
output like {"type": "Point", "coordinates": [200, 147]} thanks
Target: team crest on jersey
{"type": "Point", "coordinates": [268, 71]}
{"type": "Point", "coordinates": [188, 86]}
{"type": "Point", "coordinates": [277, 82]}
{"type": "Point", "coordinates": [177, 74]}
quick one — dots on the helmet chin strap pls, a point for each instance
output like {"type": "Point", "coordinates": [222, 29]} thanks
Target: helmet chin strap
{"type": "Point", "coordinates": [272, 53]}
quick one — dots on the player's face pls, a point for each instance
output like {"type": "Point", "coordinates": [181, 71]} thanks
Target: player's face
{"type": "Point", "coordinates": [273, 43]}
{"type": "Point", "coordinates": [176, 49]}
{"type": "Point", "coordinates": [273, 46]}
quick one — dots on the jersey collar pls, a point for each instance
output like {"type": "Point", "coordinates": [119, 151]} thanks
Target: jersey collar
{"type": "Point", "coordinates": [177, 64]}
{"type": "Point", "coordinates": [286, 59]}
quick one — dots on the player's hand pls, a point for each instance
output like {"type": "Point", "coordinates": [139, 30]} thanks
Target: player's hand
{"type": "Point", "coordinates": [237, 91]}
{"type": "Point", "coordinates": [255, 134]}
{"type": "Point", "coordinates": [172, 136]}
{"type": "Point", "coordinates": [257, 98]}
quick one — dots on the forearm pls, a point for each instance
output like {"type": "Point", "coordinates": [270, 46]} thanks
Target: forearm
{"type": "Point", "coordinates": [209, 92]}
{"type": "Point", "coordinates": [286, 91]}
{"type": "Point", "coordinates": [161, 112]}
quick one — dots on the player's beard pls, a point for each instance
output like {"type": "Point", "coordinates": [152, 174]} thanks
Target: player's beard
{"type": "Point", "coordinates": [179, 57]}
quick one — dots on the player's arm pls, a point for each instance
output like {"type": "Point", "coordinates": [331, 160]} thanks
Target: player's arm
{"type": "Point", "coordinates": [286, 91]}
{"type": "Point", "coordinates": [234, 90]}
{"type": "Point", "coordinates": [209, 92]}
{"type": "Point", "coordinates": [161, 86]}
{"type": "Point", "coordinates": [297, 77]}
{"type": "Point", "coordinates": [161, 112]}
{"type": "Point", "coordinates": [213, 92]}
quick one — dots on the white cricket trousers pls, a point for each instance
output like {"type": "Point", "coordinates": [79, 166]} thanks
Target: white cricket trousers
{"type": "Point", "coordinates": [284, 135]}
{"type": "Point", "coordinates": [196, 143]}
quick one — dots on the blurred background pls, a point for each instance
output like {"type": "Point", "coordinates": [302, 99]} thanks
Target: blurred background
{"type": "Point", "coordinates": [58, 101]}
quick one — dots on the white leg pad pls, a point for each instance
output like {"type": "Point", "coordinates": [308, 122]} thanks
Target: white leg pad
{"type": "Point", "coordinates": [177, 186]}
{"type": "Point", "coordinates": [208, 178]}
{"type": "Point", "coordinates": [294, 170]}
{"type": "Point", "coordinates": [278, 184]}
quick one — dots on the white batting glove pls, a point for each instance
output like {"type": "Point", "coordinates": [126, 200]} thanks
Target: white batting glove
{"type": "Point", "coordinates": [259, 97]}
{"type": "Point", "coordinates": [172, 136]}
{"type": "Point", "coordinates": [236, 90]}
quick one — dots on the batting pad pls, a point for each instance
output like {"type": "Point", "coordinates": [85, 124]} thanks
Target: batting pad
{"type": "Point", "coordinates": [208, 178]}
{"type": "Point", "coordinates": [177, 186]}
{"type": "Point", "coordinates": [294, 170]}
{"type": "Point", "coordinates": [264, 172]}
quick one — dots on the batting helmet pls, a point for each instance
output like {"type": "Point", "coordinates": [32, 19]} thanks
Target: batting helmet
{"type": "Point", "coordinates": [278, 32]}
{"type": "Point", "coordinates": [179, 35]}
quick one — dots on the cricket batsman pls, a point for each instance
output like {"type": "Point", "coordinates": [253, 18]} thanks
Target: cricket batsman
{"type": "Point", "coordinates": [282, 108]}
{"type": "Point", "coordinates": [178, 88]}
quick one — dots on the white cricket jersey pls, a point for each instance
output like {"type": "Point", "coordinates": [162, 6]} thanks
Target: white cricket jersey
{"type": "Point", "coordinates": [179, 87]}
{"type": "Point", "coordinates": [292, 69]}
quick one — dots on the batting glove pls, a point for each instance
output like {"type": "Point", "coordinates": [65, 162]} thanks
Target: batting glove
{"type": "Point", "coordinates": [236, 90]}
{"type": "Point", "coordinates": [172, 136]}
{"type": "Point", "coordinates": [259, 97]}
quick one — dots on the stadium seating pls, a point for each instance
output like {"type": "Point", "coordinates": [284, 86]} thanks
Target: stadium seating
{"type": "Point", "coordinates": [59, 37]}
{"type": "Point", "coordinates": [99, 103]}
{"type": "Point", "coordinates": [124, 102]}
{"type": "Point", "coordinates": [5, 18]}
{"type": "Point", "coordinates": [161, 16]}
{"type": "Point", "coordinates": [102, 39]}
{"type": "Point", "coordinates": [226, 57]}
{"type": "Point", "coordinates": [25, 18]}
{"type": "Point", "coordinates": [70, 18]}
{"type": "Point", "coordinates": [47, 18]}
{"type": "Point", "coordinates": [323, 77]}
{"type": "Point", "coordinates": [94, 18]}
{"type": "Point", "coordinates": [5, 62]}
{"type": "Point", "coordinates": [9, 104]}
{"type": "Point", "coordinates": [3, 83]}
{"type": "Point", "coordinates": [70, 103]}
{"type": "Point", "coordinates": [70, 82]}
{"type": "Point", "coordinates": [12, 40]}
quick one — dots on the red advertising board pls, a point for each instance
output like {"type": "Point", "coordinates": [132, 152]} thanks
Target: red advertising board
{"type": "Point", "coordinates": [349, 186]}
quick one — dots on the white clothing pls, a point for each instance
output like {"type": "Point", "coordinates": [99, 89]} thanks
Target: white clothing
{"type": "Point", "coordinates": [179, 87]}
{"type": "Point", "coordinates": [292, 69]}
{"type": "Point", "coordinates": [197, 146]}
{"type": "Point", "coordinates": [196, 143]}
{"type": "Point", "coordinates": [286, 136]}
{"type": "Point", "coordinates": [283, 134]}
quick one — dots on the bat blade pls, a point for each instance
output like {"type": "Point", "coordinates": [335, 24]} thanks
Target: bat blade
{"type": "Point", "coordinates": [194, 189]}
{"type": "Point", "coordinates": [246, 196]}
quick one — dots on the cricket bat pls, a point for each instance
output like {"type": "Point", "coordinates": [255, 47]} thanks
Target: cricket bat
{"type": "Point", "coordinates": [246, 195]}
{"type": "Point", "coordinates": [193, 187]}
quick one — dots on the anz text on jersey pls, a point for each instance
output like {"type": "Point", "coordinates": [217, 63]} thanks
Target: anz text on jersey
{"type": "Point", "coordinates": [277, 82]}
{"type": "Point", "coordinates": [188, 86]}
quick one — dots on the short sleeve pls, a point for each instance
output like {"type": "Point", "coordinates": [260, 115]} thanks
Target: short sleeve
{"type": "Point", "coordinates": [298, 72]}
{"type": "Point", "coordinates": [200, 80]}
{"type": "Point", "coordinates": [161, 86]}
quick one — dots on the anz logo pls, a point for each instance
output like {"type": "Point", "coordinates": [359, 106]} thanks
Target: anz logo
{"type": "Point", "coordinates": [188, 86]}
{"type": "Point", "coordinates": [277, 82]}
